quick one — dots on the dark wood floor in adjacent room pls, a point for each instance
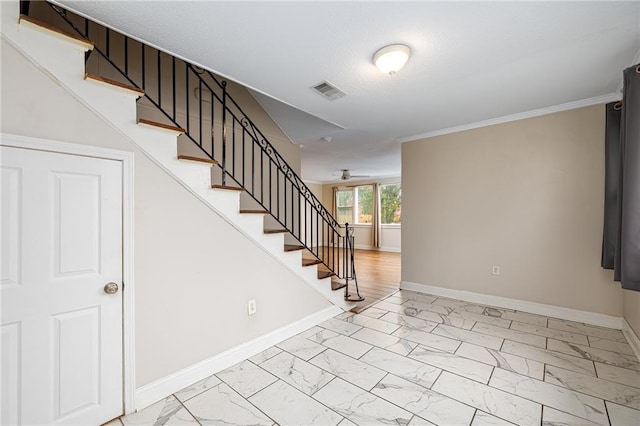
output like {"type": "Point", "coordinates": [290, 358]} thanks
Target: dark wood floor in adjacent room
{"type": "Point", "coordinates": [378, 276]}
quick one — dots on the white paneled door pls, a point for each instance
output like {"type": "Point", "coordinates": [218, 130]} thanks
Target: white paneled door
{"type": "Point", "coordinates": [61, 327]}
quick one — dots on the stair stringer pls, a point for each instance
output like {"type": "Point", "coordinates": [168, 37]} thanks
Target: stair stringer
{"type": "Point", "coordinates": [63, 60]}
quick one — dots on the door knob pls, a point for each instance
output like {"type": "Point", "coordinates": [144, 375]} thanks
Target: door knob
{"type": "Point", "coordinates": [111, 288]}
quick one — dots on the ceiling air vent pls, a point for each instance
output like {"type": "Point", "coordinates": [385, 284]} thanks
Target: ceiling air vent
{"type": "Point", "coordinates": [329, 91]}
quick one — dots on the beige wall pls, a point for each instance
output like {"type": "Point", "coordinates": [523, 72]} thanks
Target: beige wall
{"type": "Point", "coordinates": [525, 195]}
{"type": "Point", "coordinates": [390, 236]}
{"type": "Point", "coordinates": [316, 188]}
{"type": "Point", "coordinates": [632, 309]}
{"type": "Point", "coordinates": [191, 279]}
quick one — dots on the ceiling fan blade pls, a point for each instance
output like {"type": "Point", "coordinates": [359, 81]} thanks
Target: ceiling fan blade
{"type": "Point", "coordinates": [346, 175]}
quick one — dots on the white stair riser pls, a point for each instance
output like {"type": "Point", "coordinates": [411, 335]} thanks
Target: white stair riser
{"type": "Point", "coordinates": [164, 150]}
{"type": "Point", "coordinates": [292, 257]}
{"type": "Point", "coordinates": [250, 223]}
{"type": "Point", "coordinates": [58, 55]}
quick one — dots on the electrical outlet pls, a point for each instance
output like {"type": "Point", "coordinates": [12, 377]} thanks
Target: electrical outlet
{"type": "Point", "coordinates": [251, 307]}
{"type": "Point", "coordinates": [495, 270]}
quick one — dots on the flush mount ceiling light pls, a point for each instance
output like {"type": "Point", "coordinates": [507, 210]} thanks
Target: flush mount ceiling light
{"type": "Point", "coordinates": [390, 59]}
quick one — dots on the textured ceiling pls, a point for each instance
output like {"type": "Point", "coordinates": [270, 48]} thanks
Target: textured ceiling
{"type": "Point", "coordinates": [470, 62]}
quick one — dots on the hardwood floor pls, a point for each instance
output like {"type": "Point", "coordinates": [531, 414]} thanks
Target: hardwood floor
{"type": "Point", "coordinates": [378, 275]}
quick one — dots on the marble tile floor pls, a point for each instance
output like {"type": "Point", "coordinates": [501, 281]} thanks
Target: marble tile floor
{"type": "Point", "coordinates": [416, 359]}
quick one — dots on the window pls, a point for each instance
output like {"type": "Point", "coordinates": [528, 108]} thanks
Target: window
{"type": "Point", "coordinates": [364, 206]}
{"type": "Point", "coordinates": [355, 204]}
{"type": "Point", "coordinates": [390, 204]}
{"type": "Point", "coordinates": [344, 204]}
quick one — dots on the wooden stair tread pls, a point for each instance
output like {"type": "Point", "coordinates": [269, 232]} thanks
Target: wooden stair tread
{"type": "Point", "coordinates": [293, 247]}
{"type": "Point", "coordinates": [229, 188]}
{"type": "Point", "coordinates": [198, 159]}
{"type": "Point", "coordinates": [275, 231]}
{"type": "Point", "coordinates": [337, 285]}
{"type": "Point", "coordinates": [110, 82]}
{"type": "Point", "coordinates": [249, 211]}
{"type": "Point", "coordinates": [310, 262]}
{"type": "Point", "coordinates": [325, 274]}
{"type": "Point", "coordinates": [162, 126]}
{"type": "Point", "coordinates": [88, 44]}
{"type": "Point", "coordinates": [363, 306]}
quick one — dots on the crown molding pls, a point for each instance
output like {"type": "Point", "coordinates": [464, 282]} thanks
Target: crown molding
{"type": "Point", "coordinates": [611, 97]}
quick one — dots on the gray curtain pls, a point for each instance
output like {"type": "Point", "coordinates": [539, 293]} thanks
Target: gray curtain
{"type": "Point", "coordinates": [612, 183]}
{"type": "Point", "coordinates": [375, 217]}
{"type": "Point", "coordinates": [626, 171]}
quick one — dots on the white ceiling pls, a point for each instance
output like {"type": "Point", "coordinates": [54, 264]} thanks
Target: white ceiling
{"type": "Point", "coordinates": [470, 62]}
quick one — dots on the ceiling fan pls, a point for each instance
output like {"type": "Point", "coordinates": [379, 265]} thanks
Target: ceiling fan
{"type": "Point", "coordinates": [346, 175]}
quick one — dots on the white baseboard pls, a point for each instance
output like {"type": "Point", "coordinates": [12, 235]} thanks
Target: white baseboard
{"type": "Point", "coordinates": [391, 249]}
{"type": "Point", "coordinates": [368, 247]}
{"type": "Point", "coordinates": [364, 247]}
{"type": "Point", "coordinates": [160, 389]}
{"type": "Point", "coordinates": [632, 337]}
{"type": "Point", "coordinates": [560, 312]}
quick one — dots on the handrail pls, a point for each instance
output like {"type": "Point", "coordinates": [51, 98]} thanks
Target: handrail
{"type": "Point", "coordinates": [263, 139]}
{"type": "Point", "coordinates": [286, 197]}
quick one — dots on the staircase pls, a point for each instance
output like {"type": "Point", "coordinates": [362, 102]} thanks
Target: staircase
{"type": "Point", "coordinates": [185, 119]}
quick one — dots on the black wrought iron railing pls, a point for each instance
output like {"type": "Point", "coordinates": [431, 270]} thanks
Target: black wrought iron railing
{"type": "Point", "coordinates": [195, 100]}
